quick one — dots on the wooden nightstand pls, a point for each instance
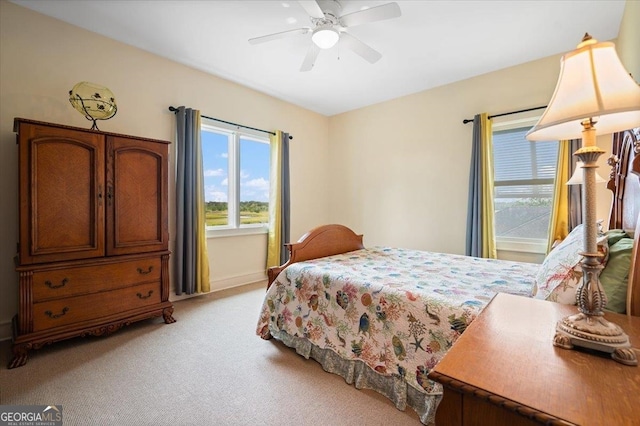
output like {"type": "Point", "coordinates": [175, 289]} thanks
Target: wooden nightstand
{"type": "Point", "coordinates": [504, 370]}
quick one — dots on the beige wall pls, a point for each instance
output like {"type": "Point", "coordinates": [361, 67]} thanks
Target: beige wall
{"type": "Point", "coordinates": [403, 165]}
{"type": "Point", "coordinates": [410, 189]}
{"type": "Point", "coordinates": [42, 58]}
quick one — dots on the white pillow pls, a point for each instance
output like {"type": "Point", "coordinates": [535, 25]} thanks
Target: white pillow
{"type": "Point", "coordinates": [561, 272]}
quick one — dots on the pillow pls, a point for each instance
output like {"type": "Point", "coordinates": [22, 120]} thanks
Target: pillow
{"type": "Point", "coordinates": [614, 235]}
{"type": "Point", "coordinates": [615, 276]}
{"type": "Point", "coordinates": [561, 272]}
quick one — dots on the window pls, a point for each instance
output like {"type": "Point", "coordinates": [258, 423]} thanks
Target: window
{"type": "Point", "coordinates": [524, 174]}
{"type": "Point", "coordinates": [236, 180]}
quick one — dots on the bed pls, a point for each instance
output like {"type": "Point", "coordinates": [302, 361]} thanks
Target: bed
{"type": "Point", "coordinates": [382, 317]}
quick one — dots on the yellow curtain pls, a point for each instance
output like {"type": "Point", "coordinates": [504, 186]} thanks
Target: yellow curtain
{"type": "Point", "coordinates": [559, 220]}
{"type": "Point", "coordinates": [488, 209]}
{"type": "Point", "coordinates": [202, 257]}
{"type": "Point", "coordinates": [274, 242]}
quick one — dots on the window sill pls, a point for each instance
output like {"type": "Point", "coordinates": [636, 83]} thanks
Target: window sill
{"type": "Point", "coordinates": [522, 245]}
{"type": "Point", "coordinates": [235, 232]}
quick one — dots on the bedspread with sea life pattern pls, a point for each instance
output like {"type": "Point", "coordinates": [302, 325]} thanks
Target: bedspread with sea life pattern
{"type": "Point", "coordinates": [397, 310]}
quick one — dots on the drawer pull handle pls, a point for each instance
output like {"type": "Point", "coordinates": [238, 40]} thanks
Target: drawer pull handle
{"type": "Point", "coordinates": [54, 316]}
{"type": "Point", "coordinates": [62, 283]}
{"type": "Point", "coordinates": [140, 296]}
{"type": "Point", "coordinates": [148, 271]}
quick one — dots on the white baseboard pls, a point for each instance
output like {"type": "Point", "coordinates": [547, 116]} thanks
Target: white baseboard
{"type": "Point", "coordinates": [230, 282]}
{"type": "Point", "coordinates": [225, 284]}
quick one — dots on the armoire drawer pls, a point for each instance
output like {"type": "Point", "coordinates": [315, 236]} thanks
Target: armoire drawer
{"type": "Point", "coordinates": [55, 313]}
{"type": "Point", "coordinates": [57, 283]}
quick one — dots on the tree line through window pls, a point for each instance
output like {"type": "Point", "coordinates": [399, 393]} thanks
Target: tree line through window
{"type": "Point", "coordinates": [236, 177]}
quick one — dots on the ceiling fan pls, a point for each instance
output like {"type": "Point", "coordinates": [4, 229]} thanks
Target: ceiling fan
{"type": "Point", "coordinates": [329, 28]}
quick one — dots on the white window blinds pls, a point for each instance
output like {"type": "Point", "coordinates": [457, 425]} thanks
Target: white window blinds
{"type": "Point", "coordinates": [524, 174]}
{"type": "Point", "coordinates": [523, 169]}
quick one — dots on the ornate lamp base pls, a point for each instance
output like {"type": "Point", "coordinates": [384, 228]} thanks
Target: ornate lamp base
{"type": "Point", "coordinates": [595, 332]}
{"type": "Point", "coordinates": [588, 328]}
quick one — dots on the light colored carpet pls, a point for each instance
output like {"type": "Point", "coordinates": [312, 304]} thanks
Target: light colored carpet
{"type": "Point", "coordinates": [208, 368]}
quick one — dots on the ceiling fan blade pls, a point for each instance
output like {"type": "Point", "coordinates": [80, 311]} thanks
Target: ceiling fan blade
{"type": "Point", "coordinates": [373, 14]}
{"type": "Point", "coordinates": [282, 34]}
{"type": "Point", "coordinates": [369, 54]}
{"type": "Point", "coordinates": [312, 8]}
{"type": "Point", "coordinates": [310, 59]}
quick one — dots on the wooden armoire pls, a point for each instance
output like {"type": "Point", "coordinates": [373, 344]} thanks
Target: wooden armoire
{"type": "Point", "coordinates": [93, 235]}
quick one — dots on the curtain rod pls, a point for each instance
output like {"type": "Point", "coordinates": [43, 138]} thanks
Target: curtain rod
{"type": "Point", "coordinates": [174, 110]}
{"type": "Point", "coordinates": [466, 120]}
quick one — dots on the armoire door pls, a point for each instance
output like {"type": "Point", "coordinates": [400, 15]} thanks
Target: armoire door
{"type": "Point", "coordinates": [137, 213]}
{"type": "Point", "coordinates": [61, 194]}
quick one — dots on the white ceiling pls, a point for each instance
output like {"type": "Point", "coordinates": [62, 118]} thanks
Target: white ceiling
{"type": "Point", "coordinates": [431, 44]}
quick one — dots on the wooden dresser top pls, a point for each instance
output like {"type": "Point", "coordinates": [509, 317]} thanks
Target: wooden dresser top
{"type": "Point", "coordinates": [507, 357]}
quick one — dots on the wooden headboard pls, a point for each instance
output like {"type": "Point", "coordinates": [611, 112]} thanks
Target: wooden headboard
{"type": "Point", "coordinates": [322, 241]}
{"type": "Point", "coordinates": [624, 182]}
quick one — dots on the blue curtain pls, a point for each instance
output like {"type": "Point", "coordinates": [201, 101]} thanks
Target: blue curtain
{"type": "Point", "coordinates": [285, 226]}
{"type": "Point", "coordinates": [480, 240]}
{"type": "Point", "coordinates": [191, 259]}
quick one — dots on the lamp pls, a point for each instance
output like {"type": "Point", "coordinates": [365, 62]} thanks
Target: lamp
{"type": "Point", "coordinates": [325, 36]}
{"type": "Point", "coordinates": [593, 88]}
{"type": "Point", "coordinates": [577, 177]}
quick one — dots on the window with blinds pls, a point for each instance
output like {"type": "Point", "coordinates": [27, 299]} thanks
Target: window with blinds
{"type": "Point", "coordinates": [524, 174]}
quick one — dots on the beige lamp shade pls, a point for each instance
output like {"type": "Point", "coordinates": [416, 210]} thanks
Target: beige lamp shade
{"type": "Point", "coordinates": [577, 177]}
{"type": "Point", "coordinates": [593, 83]}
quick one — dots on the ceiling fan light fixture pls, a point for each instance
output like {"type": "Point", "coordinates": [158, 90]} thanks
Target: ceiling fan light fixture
{"type": "Point", "coordinates": [325, 37]}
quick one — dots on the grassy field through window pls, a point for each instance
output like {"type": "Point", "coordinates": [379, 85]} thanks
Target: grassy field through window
{"type": "Point", "coordinates": [251, 212]}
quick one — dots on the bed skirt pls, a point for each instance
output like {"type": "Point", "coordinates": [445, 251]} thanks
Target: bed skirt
{"type": "Point", "coordinates": [363, 377]}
